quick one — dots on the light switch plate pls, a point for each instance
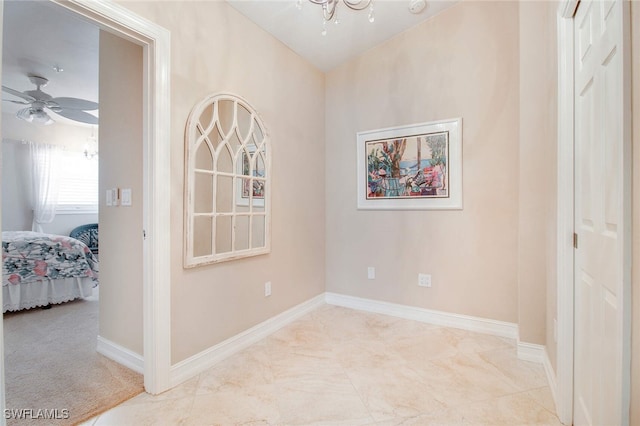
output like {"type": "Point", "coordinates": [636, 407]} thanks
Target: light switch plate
{"type": "Point", "coordinates": [126, 196]}
{"type": "Point", "coordinates": [114, 196]}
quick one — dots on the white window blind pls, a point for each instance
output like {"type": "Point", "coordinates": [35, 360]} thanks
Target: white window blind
{"type": "Point", "coordinates": [78, 183]}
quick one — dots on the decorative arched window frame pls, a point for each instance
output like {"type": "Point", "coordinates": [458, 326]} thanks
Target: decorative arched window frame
{"type": "Point", "coordinates": [227, 153]}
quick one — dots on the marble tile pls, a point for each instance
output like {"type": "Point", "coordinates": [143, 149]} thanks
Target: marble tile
{"type": "Point", "coordinates": [509, 410]}
{"type": "Point", "coordinates": [464, 378]}
{"type": "Point", "coordinates": [426, 345]}
{"type": "Point", "coordinates": [394, 391]}
{"type": "Point", "coordinates": [346, 324]}
{"type": "Point", "coordinates": [255, 405]}
{"type": "Point", "coordinates": [321, 400]}
{"type": "Point", "coordinates": [544, 397]}
{"type": "Point", "coordinates": [398, 329]}
{"type": "Point", "coordinates": [336, 366]}
{"type": "Point", "coordinates": [305, 332]}
{"type": "Point", "coordinates": [517, 409]}
{"type": "Point", "coordinates": [469, 341]}
{"type": "Point", "coordinates": [524, 375]}
{"type": "Point", "coordinates": [302, 367]}
{"type": "Point", "coordinates": [368, 355]}
{"type": "Point", "coordinates": [183, 391]}
{"type": "Point", "coordinates": [444, 417]}
{"type": "Point", "coordinates": [250, 367]}
{"type": "Point", "coordinates": [172, 411]}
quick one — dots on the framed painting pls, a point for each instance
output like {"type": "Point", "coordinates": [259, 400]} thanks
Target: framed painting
{"type": "Point", "coordinates": [414, 167]}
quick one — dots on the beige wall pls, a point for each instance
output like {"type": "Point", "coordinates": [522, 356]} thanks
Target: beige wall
{"type": "Point", "coordinates": [537, 174]}
{"type": "Point", "coordinates": [121, 167]}
{"type": "Point", "coordinates": [635, 291]}
{"type": "Point", "coordinates": [214, 49]}
{"type": "Point", "coordinates": [463, 63]}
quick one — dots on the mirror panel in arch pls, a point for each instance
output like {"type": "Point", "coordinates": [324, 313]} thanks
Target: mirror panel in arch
{"type": "Point", "coordinates": [227, 205]}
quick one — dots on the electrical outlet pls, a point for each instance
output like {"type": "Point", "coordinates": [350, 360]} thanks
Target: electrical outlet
{"type": "Point", "coordinates": [267, 289]}
{"type": "Point", "coordinates": [424, 280]}
{"type": "Point", "coordinates": [371, 273]}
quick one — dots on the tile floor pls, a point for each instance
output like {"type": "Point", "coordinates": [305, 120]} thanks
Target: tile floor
{"type": "Point", "coordinates": [337, 366]}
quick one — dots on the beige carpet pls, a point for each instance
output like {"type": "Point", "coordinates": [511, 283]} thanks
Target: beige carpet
{"type": "Point", "coordinates": [51, 363]}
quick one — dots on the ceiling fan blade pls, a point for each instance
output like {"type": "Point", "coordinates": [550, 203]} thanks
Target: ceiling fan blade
{"type": "Point", "coordinates": [38, 94]}
{"type": "Point", "coordinates": [17, 102]}
{"type": "Point", "coordinates": [76, 103]}
{"type": "Point", "coordinates": [76, 115]}
{"type": "Point", "coordinates": [18, 94]}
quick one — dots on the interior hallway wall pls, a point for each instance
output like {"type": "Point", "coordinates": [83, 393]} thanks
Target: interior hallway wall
{"type": "Point", "coordinates": [462, 63]}
{"type": "Point", "coordinates": [537, 174]}
{"type": "Point", "coordinates": [121, 167]}
{"type": "Point", "coordinates": [216, 49]}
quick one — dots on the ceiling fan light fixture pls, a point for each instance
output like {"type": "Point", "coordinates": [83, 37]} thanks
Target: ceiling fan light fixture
{"type": "Point", "coordinates": [25, 114]}
{"type": "Point", "coordinates": [32, 115]}
{"type": "Point", "coordinates": [41, 117]}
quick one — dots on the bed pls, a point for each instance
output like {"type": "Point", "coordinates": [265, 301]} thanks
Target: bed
{"type": "Point", "coordinates": [44, 269]}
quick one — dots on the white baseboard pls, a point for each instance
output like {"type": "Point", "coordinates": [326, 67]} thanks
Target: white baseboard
{"type": "Point", "coordinates": [531, 352]}
{"type": "Point", "coordinates": [551, 377]}
{"type": "Point", "coordinates": [121, 355]}
{"type": "Point", "coordinates": [539, 354]}
{"type": "Point", "coordinates": [194, 365]}
{"type": "Point", "coordinates": [204, 360]}
{"type": "Point", "coordinates": [446, 319]}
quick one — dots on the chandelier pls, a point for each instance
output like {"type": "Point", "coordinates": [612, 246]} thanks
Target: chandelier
{"type": "Point", "coordinates": [329, 9]}
{"type": "Point", "coordinates": [91, 147]}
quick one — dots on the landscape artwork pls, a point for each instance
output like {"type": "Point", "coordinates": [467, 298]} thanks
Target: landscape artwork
{"type": "Point", "coordinates": [408, 167]}
{"type": "Point", "coordinates": [411, 167]}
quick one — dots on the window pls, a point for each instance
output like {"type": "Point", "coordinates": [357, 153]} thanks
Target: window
{"type": "Point", "coordinates": [78, 184]}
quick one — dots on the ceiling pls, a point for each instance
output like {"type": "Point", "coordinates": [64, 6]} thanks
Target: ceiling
{"type": "Point", "coordinates": [300, 29]}
{"type": "Point", "coordinates": [39, 36]}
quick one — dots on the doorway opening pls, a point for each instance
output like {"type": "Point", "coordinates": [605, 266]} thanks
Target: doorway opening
{"type": "Point", "coordinates": [154, 231]}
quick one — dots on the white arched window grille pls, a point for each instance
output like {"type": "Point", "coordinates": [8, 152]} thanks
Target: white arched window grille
{"type": "Point", "coordinates": [228, 182]}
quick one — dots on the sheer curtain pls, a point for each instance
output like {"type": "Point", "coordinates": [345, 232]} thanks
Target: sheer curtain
{"type": "Point", "coordinates": [45, 181]}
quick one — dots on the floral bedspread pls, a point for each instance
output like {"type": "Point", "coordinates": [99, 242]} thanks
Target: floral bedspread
{"type": "Point", "coordinates": [32, 256]}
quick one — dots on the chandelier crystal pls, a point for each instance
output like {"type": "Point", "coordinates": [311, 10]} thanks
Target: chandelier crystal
{"type": "Point", "coordinates": [91, 147]}
{"type": "Point", "coordinates": [329, 9]}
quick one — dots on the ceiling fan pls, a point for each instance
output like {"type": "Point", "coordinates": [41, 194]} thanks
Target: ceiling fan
{"type": "Point", "coordinates": [71, 108]}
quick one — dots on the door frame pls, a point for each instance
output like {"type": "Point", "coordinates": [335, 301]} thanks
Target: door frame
{"type": "Point", "coordinates": [155, 43]}
{"type": "Point", "coordinates": [565, 212]}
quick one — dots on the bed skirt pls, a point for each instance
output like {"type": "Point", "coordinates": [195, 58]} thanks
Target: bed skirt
{"type": "Point", "coordinates": [45, 292]}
